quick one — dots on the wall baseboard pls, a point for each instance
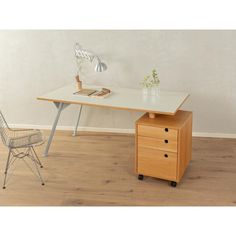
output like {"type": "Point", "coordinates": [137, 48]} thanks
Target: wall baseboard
{"type": "Point", "coordinates": [213, 135]}
{"type": "Point", "coordinates": [68, 128]}
{"type": "Point", "coordinates": [115, 130]}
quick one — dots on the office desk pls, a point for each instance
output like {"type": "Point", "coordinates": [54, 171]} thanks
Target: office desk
{"type": "Point", "coordinates": [166, 103]}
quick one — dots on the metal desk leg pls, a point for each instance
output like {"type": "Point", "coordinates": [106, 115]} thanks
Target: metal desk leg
{"type": "Point", "coordinates": [77, 123]}
{"type": "Point", "coordinates": [60, 106]}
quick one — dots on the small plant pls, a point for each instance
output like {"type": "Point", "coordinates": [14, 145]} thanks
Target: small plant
{"type": "Point", "coordinates": [146, 82]}
{"type": "Point", "coordinates": [150, 81]}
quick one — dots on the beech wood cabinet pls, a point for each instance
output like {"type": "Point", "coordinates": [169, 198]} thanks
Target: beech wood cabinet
{"type": "Point", "coordinates": [163, 146]}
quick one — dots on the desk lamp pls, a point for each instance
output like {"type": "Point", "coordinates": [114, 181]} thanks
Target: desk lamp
{"type": "Point", "coordinates": [81, 55]}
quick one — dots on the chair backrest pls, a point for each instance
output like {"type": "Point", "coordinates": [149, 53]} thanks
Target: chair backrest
{"type": "Point", "coordinates": [4, 129]}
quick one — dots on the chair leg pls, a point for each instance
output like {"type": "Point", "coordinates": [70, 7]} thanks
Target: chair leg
{"type": "Point", "coordinates": [37, 169]}
{"type": "Point", "coordinates": [6, 169]}
{"type": "Point", "coordinates": [35, 154]}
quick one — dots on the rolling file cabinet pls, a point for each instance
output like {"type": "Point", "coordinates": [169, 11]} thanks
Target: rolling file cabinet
{"type": "Point", "coordinates": [163, 146]}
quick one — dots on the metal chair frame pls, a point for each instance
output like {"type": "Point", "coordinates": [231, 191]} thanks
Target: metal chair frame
{"type": "Point", "coordinates": [16, 153]}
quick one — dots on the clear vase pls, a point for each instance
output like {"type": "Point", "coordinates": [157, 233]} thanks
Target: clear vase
{"type": "Point", "coordinates": [155, 91]}
{"type": "Point", "coordinates": [151, 92]}
{"type": "Point", "coordinates": [145, 91]}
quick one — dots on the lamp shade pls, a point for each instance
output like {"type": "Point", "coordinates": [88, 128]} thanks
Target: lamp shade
{"type": "Point", "coordinates": [100, 67]}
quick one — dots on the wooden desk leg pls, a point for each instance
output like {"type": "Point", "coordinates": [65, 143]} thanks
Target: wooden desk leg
{"type": "Point", "coordinates": [151, 115]}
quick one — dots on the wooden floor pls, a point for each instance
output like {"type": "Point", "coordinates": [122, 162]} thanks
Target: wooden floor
{"type": "Point", "coordinates": [98, 169]}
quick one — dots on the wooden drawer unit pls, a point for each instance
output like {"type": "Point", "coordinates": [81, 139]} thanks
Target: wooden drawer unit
{"type": "Point", "coordinates": [158, 143]}
{"type": "Point", "coordinates": [164, 146]}
{"type": "Point", "coordinates": [157, 163]}
{"type": "Point", "coordinates": [157, 132]}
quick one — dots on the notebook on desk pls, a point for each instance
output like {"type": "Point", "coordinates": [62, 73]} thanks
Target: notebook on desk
{"type": "Point", "coordinates": [104, 92]}
{"type": "Point", "coordinates": [85, 92]}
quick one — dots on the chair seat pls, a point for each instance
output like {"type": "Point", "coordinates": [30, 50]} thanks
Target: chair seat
{"type": "Point", "coordinates": [17, 139]}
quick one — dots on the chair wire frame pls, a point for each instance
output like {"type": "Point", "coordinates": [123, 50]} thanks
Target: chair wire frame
{"type": "Point", "coordinates": [21, 143]}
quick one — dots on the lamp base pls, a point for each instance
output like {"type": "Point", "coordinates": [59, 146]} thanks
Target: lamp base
{"type": "Point", "coordinates": [79, 83]}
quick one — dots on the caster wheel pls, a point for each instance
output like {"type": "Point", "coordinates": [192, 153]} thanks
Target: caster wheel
{"type": "Point", "coordinates": [41, 166]}
{"type": "Point", "coordinates": [43, 183]}
{"type": "Point", "coordinates": [173, 184]}
{"type": "Point", "coordinates": [140, 177]}
{"type": "Point", "coordinates": [4, 187]}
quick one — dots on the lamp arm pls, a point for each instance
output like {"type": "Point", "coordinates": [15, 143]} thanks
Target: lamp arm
{"type": "Point", "coordinates": [98, 59]}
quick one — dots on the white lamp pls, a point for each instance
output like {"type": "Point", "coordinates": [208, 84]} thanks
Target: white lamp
{"type": "Point", "coordinates": [81, 53]}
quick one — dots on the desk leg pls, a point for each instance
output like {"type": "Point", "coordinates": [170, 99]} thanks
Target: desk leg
{"type": "Point", "coordinates": [60, 106]}
{"type": "Point", "coordinates": [77, 123]}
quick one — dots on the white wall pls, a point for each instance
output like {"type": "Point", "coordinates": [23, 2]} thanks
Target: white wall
{"type": "Point", "coordinates": [202, 63]}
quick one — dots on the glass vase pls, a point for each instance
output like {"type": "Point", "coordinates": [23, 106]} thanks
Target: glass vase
{"type": "Point", "coordinates": [155, 91]}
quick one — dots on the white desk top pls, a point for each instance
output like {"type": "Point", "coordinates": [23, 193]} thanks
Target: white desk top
{"type": "Point", "coordinates": [121, 98]}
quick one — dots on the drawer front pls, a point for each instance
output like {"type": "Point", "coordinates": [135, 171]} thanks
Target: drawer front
{"type": "Point", "coordinates": [157, 132]}
{"type": "Point", "coordinates": [156, 143]}
{"type": "Point", "coordinates": [157, 163]}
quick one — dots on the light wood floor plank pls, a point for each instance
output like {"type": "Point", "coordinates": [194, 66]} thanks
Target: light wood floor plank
{"type": "Point", "coordinates": [97, 169]}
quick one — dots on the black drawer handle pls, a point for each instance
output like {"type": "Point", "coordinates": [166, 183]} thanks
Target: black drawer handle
{"type": "Point", "coordinates": [166, 141]}
{"type": "Point", "coordinates": [165, 155]}
{"type": "Point", "coordinates": [166, 129]}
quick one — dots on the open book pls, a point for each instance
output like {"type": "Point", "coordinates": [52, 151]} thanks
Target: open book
{"type": "Point", "coordinates": [104, 92]}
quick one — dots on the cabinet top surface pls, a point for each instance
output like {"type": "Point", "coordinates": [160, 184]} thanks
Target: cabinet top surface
{"type": "Point", "coordinates": [175, 122]}
{"type": "Point", "coordinates": [121, 98]}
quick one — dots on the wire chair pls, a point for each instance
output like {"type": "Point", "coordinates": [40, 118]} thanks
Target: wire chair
{"type": "Point", "coordinates": [21, 143]}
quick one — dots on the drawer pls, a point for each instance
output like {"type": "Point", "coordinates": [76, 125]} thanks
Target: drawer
{"type": "Point", "coordinates": [157, 163]}
{"type": "Point", "coordinates": [156, 143]}
{"type": "Point", "coordinates": [157, 132]}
